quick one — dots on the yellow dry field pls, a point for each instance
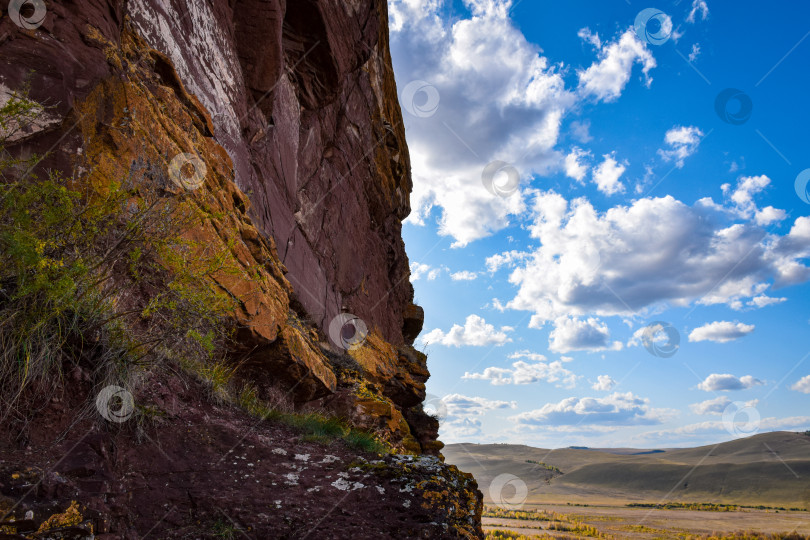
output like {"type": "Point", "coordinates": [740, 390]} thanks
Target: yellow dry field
{"type": "Point", "coordinates": [640, 523]}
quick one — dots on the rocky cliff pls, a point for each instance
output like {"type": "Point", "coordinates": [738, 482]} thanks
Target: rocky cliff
{"type": "Point", "coordinates": [277, 123]}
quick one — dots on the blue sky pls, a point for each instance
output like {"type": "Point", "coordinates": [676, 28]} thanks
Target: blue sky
{"type": "Point", "coordinates": [589, 184]}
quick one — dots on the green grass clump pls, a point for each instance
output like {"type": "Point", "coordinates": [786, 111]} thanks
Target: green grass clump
{"type": "Point", "coordinates": [314, 426]}
{"type": "Point", "coordinates": [223, 529]}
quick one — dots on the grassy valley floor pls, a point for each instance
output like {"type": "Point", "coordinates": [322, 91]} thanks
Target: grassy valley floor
{"type": "Point", "coordinates": [570, 522]}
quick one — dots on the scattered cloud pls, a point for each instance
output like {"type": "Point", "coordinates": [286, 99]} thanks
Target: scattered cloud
{"type": "Point", "coordinates": [802, 385]}
{"type": "Point", "coordinates": [572, 334]}
{"type": "Point", "coordinates": [587, 36]}
{"type": "Point", "coordinates": [616, 409]}
{"type": "Point", "coordinates": [476, 332]}
{"type": "Point", "coordinates": [581, 131]}
{"type": "Point", "coordinates": [506, 259]}
{"type": "Point", "coordinates": [606, 78]}
{"type": "Point", "coordinates": [461, 405]}
{"type": "Point", "coordinates": [742, 202]}
{"type": "Point", "coordinates": [721, 331]}
{"type": "Point", "coordinates": [763, 300]}
{"type": "Point", "coordinates": [695, 52]}
{"type": "Point", "coordinates": [460, 429]}
{"type": "Point", "coordinates": [606, 175]}
{"type": "Point", "coordinates": [462, 420]}
{"type": "Point", "coordinates": [717, 405]}
{"type": "Point", "coordinates": [698, 7]}
{"type": "Point", "coordinates": [420, 269]}
{"type": "Point", "coordinates": [604, 383]}
{"type": "Point", "coordinates": [711, 406]}
{"type": "Point", "coordinates": [717, 382]}
{"type": "Point", "coordinates": [464, 275]}
{"type": "Point", "coordinates": [523, 372]}
{"type": "Point", "coordinates": [681, 143]}
{"type": "Point", "coordinates": [575, 165]}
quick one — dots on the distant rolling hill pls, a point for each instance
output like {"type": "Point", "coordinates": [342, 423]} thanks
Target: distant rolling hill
{"type": "Point", "coordinates": [771, 469]}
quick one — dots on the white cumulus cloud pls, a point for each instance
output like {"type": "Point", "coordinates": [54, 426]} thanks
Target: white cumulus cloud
{"type": "Point", "coordinates": [575, 164]}
{"type": "Point", "coordinates": [463, 275]}
{"type": "Point", "coordinates": [572, 334]}
{"type": "Point", "coordinates": [421, 269]}
{"type": "Point", "coordinates": [461, 405]}
{"type": "Point", "coordinates": [606, 175]}
{"type": "Point", "coordinates": [495, 98]}
{"type": "Point", "coordinates": [616, 409]}
{"type": "Point", "coordinates": [506, 259]}
{"type": "Point", "coordinates": [717, 382]}
{"type": "Point", "coordinates": [649, 254]}
{"type": "Point", "coordinates": [475, 332]}
{"type": "Point", "coordinates": [802, 385]}
{"type": "Point", "coordinates": [604, 383]}
{"type": "Point", "coordinates": [605, 79]}
{"type": "Point", "coordinates": [721, 331]}
{"type": "Point", "coordinates": [711, 406]}
{"type": "Point", "coordinates": [499, 99]}
{"type": "Point", "coordinates": [717, 405]}
{"type": "Point", "coordinates": [523, 372]}
{"type": "Point", "coordinates": [682, 142]}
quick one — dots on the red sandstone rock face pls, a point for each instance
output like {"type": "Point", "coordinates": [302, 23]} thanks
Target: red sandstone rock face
{"type": "Point", "coordinates": [292, 87]}
{"type": "Point", "coordinates": [292, 107]}
{"type": "Point", "coordinates": [302, 98]}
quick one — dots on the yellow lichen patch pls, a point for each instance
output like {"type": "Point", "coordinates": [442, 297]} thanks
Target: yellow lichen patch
{"type": "Point", "coordinates": [378, 413]}
{"type": "Point", "coordinates": [71, 517]}
{"type": "Point", "coordinates": [376, 356]}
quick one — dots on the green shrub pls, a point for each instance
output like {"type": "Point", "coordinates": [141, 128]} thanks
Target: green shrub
{"type": "Point", "coordinates": [98, 277]}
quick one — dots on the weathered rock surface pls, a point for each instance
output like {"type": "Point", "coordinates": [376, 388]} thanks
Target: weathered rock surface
{"type": "Point", "coordinates": [301, 96]}
{"type": "Point", "coordinates": [206, 471]}
{"type": "Point", "coordinates": [291, 108]}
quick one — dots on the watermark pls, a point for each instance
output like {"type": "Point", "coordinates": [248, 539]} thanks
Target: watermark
{"type": "Point", "coordinates": [802, 185]}
{"type": "Point", "coordinates": [508, 491]}
{"type": "Point", "coordinates": [187, 171]}
{"type": "Point", "coordinates": [27, 14]}
{"type": "Point", "coordinates": [653, 26]}
{"type": "Point", "coordinates": [500, 178]}
{"type": "Point", "coordinates": [347, 331]}
{"type": "Point", "coordinates": [421, 99]}
{"type": "Point", "coordinates": [435, 406]}
{"type": "Point", "coordinates": [733, 106]}
{"type": "Point", "coordinates": [661, 339]}
{"type": "Point", "coordinates": [115, 404]}
{"type": "Point", "coordinates": [741, 419]}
